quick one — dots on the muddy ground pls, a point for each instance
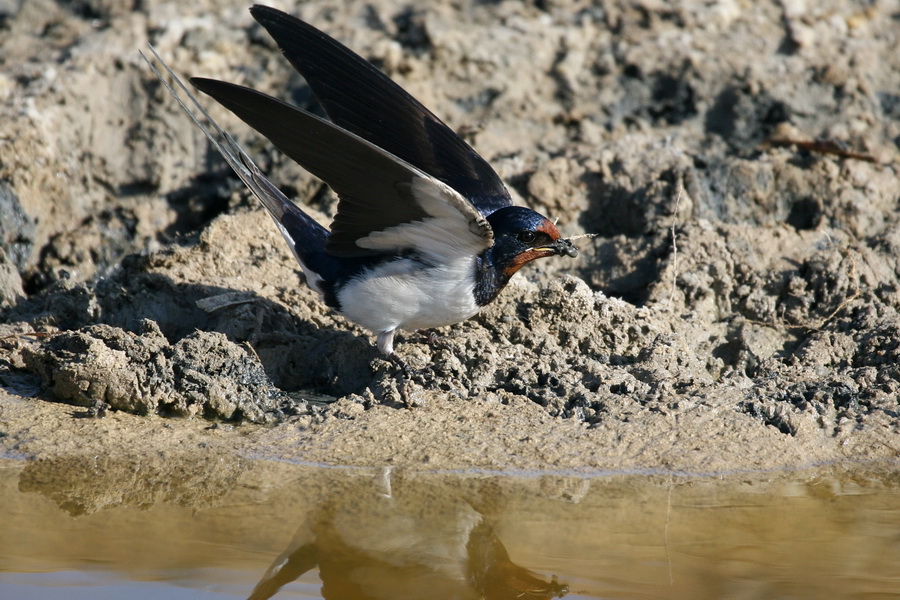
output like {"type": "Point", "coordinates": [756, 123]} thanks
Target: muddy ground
{"type": "Point", "coordinates": [739, 309]}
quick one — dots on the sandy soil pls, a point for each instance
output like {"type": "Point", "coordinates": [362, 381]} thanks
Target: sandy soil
{"type": "Point", "coordinates": [739, 309]}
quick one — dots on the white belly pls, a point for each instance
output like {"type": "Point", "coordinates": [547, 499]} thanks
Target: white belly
{"type": "Point", "coordinates": [404, 294]}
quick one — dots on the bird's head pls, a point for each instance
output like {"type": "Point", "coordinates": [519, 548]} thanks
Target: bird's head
{"type": "Point", "coordinates": [522, 235]}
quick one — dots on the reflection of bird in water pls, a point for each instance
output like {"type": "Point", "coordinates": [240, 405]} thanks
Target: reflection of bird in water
{"type": "Point", "coordinates": [418, 543]}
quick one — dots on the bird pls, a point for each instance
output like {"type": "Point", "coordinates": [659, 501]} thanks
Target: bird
{"type": "Point", "coordinates": [425, 234]}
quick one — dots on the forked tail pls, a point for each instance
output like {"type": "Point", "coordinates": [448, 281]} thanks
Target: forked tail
{"type": "Point", "coordinates": [302, 233]}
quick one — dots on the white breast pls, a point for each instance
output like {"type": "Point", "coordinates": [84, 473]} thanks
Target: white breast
{"type": "Point", "coordinates": [406, 294]}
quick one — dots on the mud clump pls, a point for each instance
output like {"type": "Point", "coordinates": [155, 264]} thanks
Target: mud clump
{"type": "Point", "coordinates": [104, 367]}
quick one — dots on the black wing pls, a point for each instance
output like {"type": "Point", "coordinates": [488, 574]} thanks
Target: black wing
{"type": "Point", "coordinates": [386, 204]}
{"type": "Point", "coordinates": [363, 100]}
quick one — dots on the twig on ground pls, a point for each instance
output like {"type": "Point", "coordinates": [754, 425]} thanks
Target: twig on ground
{"type": "Point", "coordinates": [680, 184]}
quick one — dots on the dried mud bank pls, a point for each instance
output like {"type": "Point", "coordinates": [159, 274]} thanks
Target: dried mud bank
{"type": "Point", "coordinates": [739, 309]}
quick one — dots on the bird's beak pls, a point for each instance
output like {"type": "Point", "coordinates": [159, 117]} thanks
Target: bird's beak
{"type": "Point", "coordinates": [561, 247]}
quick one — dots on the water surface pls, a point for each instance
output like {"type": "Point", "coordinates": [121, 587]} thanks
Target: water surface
{"type": "Point", "coordinates": [98, 529]}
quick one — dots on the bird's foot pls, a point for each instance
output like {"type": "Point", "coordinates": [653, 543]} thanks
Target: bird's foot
{"type": "Point", "coordinates": [401, 364]}
{"type": "Point", "coordinates": [407, 374]}
{"type": "Point", "coordinates": [438, 341]}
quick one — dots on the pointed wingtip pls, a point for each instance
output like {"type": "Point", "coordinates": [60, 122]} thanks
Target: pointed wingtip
{"type": "Point", "coordinates": [262, 13]}
{"type": "Point", "coordinates": [203, 84]}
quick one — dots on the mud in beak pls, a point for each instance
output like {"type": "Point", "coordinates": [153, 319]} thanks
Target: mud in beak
{"type": "Point", "coordinates": [562, 247]}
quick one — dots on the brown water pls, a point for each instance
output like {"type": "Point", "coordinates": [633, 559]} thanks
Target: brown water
{"type": "Point", "coordinates": [83, 529]}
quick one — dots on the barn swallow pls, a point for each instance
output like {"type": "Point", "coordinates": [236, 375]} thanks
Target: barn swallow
{"type": "Point", "coordinates": [425, 234]}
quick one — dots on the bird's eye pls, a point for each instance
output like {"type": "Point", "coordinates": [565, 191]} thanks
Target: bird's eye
{"type": "Point", "coordinates": [527, 237]}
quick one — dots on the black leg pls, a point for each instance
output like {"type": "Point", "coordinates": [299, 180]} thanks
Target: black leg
{"type": "Point", "coordinates": [404, 376]}
{"type": "Point", "coordinates": [402, 365]}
